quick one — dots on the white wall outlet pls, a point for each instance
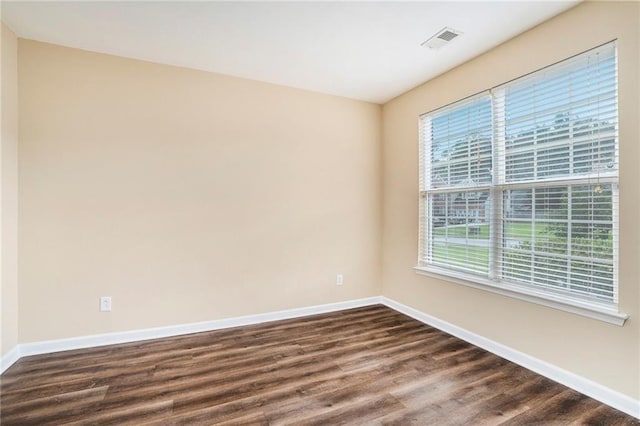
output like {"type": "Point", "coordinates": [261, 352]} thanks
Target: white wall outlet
{"type": "Point", "coordinates": [339, 279]}
{"type": "Point", "coordinates": [105, 304]}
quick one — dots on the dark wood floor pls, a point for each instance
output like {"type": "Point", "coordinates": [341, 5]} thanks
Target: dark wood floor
{"type": "Point", "coordinates": [362, 366]}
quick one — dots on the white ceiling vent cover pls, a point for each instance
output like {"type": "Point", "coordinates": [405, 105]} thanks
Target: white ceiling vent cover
{"type": "Point", "coordinates": [442, 37]}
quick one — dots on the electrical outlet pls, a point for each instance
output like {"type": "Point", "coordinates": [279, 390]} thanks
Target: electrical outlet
{"type": "Point", "coordinates": [339, 279]}
{"type": "Point", "coordinates": [105, 304]}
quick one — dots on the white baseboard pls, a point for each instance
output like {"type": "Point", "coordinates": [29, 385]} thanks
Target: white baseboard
{"type": "Point", "coordinates": [9, 358]}
{"type": "Point", "coordinates": [596, 391]}
{"type": "Point", "coordinates": [82, 342]}
{"type": "Point", "coordinates": [601, 393]}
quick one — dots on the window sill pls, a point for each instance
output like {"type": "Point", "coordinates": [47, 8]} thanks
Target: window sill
{"type": "Point", "coordinates": [595, 311]}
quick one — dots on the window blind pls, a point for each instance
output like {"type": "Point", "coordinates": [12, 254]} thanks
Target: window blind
{"type": "Point", "coordinates": [455, 192]}
{"type": "Point", "coordinates": [519, 185]}
{"type": "Point", "coordinates": [560, 180]}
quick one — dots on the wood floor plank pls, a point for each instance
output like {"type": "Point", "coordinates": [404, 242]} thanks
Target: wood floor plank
{"type": "Point", "coordinates": [50, 409]}
{"type": "Point", "coordinates": [141, 412]}
{"type": "Point", "coordinates": [368, 365]}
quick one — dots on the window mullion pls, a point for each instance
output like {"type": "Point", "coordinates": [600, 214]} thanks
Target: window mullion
{"type": "Point", "coordinates": [569, 233]}
{"type": "Point", "coordinates": [425, 153]}
{"type": "Point", "coordinates": [534, 225]}
{"type": "Point", "coordinates": [425, 245]}
{"type": "Point", "coordinates": [616, 232]}
{"type": "Point", "coordinates": [498, 179]}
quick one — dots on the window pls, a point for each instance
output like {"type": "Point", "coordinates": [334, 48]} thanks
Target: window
{"type": "Point", "coordinates": [519, 185]}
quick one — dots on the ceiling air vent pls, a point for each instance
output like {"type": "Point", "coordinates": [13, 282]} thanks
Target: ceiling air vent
{"type": "Point", "coordinates": [441, 38]}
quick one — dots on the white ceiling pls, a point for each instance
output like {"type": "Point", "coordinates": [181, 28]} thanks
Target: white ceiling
{"type": "Point", "coordinates": [362, 50]}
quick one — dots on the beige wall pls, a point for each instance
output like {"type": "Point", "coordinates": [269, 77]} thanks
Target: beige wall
{"type": "Point", "coordinates": [605, 353]}
{"type": "Point", "coordinates": [9, 193]}
{"type": "Point", "coordinates": [186, 196]}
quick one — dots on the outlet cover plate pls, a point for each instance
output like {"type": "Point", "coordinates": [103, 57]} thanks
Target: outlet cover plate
{"type": "Point", "coordinates": [105, 304]}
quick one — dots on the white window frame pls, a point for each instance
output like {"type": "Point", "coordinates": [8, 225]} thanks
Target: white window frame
{"type": "Point", "coordinates": [493, 282]}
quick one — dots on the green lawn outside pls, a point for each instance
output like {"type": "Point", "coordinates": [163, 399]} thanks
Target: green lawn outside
{"type": "Point", "coordinates": [520, 230]}
{"type": "Point", "coordinates": [477, 258]}
{"type": "Point", "coordinates": [474, 258]}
